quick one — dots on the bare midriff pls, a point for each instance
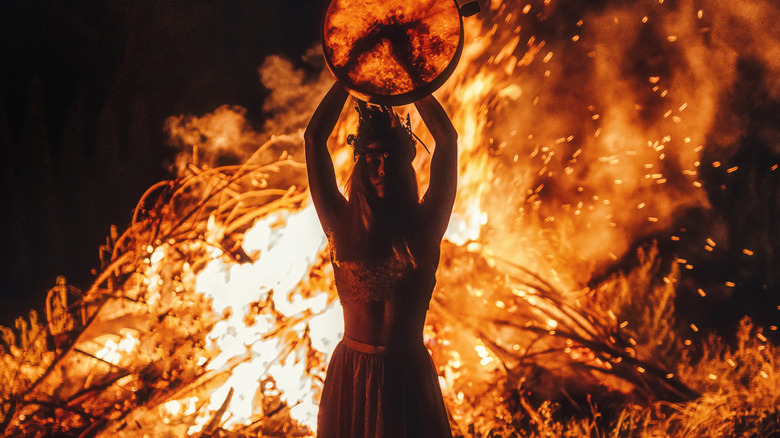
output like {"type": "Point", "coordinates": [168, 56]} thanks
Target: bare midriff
{"type": "Point", "coordinates": [387, 323]}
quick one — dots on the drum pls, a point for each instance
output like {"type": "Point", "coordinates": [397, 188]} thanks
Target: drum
{"type": "Point", "coordinates": [392, 52]}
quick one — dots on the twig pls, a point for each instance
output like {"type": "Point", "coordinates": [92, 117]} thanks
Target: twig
{"type": "Point", "coordinates": [212, 426]}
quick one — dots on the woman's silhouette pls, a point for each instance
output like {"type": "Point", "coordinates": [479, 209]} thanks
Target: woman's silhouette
{"type": "Point", "coordinates": [384, 246]}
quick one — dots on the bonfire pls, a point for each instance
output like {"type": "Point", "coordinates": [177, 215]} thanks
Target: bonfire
{"type": "Point", "coordinates": [215, 312]}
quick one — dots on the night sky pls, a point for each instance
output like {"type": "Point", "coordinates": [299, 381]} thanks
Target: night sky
{"type": "Point", "coordinates": [85, 88]}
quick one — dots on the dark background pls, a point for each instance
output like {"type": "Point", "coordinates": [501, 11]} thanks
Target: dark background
{"type": "Point", "coordinates": [85, 88]}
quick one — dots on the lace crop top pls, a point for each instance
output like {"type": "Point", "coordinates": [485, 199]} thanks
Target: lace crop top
{"type": "Point", "coordinates": [382, 280]}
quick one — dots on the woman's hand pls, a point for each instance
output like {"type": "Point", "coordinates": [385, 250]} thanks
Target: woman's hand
{"type": "Point", "coordinates": [326, 115]}
{"type": "Point", "coordinates": [436, 120]}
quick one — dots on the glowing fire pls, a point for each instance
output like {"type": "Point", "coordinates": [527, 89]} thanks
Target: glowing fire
{"type": "Point", "coordinates": [288, 244]}
{"type": "Point", "coordinates": [218, 310]}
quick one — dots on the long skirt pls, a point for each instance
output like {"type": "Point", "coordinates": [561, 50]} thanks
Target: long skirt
{"type": "Point", "coordinates": [381, 392]}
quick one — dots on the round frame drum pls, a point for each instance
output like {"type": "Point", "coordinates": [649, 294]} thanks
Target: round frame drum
{"type": "Point", "coordinates": [392, 52]}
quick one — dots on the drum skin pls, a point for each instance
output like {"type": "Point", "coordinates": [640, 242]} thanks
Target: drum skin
{"type": "Point", "coordinates": [392, 52]}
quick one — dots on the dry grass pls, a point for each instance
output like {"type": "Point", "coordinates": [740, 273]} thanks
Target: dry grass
{"type": "Point", "coordinates": [611, 366]}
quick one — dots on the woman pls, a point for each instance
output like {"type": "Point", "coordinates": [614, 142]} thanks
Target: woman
{"type": "Point", "coordinates": [385, 246]}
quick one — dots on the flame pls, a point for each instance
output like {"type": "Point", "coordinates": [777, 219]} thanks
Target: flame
{"type": "Point", "coordinates": [571, 149]}
{"type": "Point", "coordinates": [113, 351]}
{"type": "Point", "coordinates": [287, 244]}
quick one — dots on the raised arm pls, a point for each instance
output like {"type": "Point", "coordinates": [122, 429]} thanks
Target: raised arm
{"type": "Point", "coordinates": [319, 165]}
{"type": "Point", "coordinates": [440, 196]}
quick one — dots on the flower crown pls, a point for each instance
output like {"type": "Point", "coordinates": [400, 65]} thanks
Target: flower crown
{"type": "Point", "coordinates": [380, 122]}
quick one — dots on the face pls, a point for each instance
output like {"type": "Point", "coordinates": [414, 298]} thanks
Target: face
{"type": "Point", "coordinates": [377, 159]}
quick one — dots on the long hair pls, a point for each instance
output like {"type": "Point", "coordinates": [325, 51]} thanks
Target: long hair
{"type": "Point", "coordinates": [370, 219]}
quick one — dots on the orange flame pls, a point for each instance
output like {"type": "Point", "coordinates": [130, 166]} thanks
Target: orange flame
{"type": "Point", "coordinates": [592, 171]}
{"type": "Point", "coordinates": [567, 157]}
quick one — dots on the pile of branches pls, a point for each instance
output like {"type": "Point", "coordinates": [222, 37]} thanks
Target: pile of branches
{"type": "Point", "coordinates": [541, 346]}
{"type": "Point", "coordinates": [59, 375]}
{"type": "Point", "coordinates": [510, 345]}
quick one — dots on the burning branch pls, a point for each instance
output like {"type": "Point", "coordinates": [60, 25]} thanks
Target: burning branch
{"type": "Point", "coordinates": [146, 296]}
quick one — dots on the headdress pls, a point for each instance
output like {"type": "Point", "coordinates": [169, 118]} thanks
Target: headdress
{"type": "Point", "coordinates": [380, 122]}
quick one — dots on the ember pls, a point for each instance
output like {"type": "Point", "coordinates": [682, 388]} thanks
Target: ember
{"type": "Point", "coordinates": [554, 315]}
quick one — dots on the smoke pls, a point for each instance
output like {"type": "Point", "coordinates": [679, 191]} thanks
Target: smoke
{"type": "Point", "coordinates": [294, 93]}
{"type": "Point", "coordinates": [598, 115]}
{"type": "Point", "coordinates": [226, 137]}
